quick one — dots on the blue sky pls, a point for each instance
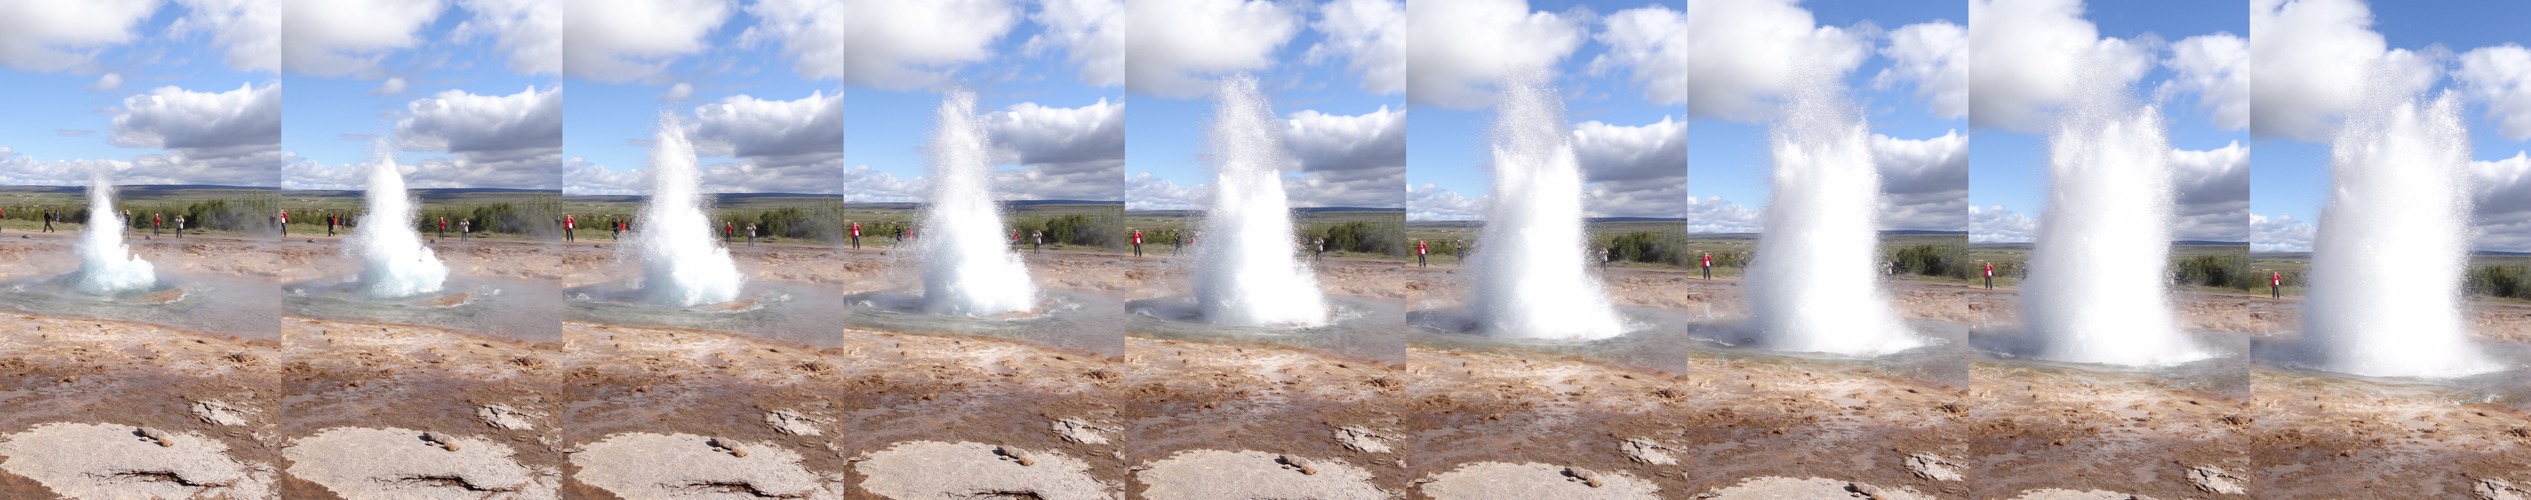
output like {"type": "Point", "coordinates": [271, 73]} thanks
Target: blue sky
{"type": "Point", "coordinates": [1057, 127]}
{"type": "Point", "coordinates": [2291, 175]}
{"type": "Point", "coordinates": [75, 64]}
{"type": "Point", "coordinates": [1729, 161]}
{"type": "Point", "coordinates": [1448, 135]}
{"type": "Point", "coordinates": [2009, 167]}
{"type": "Point", "coordinates": [429, 80]}
{"type": "Point", "coordinates": [755, 83]}
{"type": "Point", "coordinates": [1323, 64]}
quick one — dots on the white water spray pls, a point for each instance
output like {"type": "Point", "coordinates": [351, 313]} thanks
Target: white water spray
{"type": "Point", "coordinates": [2097, 291]}
{"type": "Point", "coordinates": [1812, 287]}
{"type": "Point", "coordinates": [1531, 270]}
{"type": "Point", "coordinates": [393, 261]}
{"type": "Point", "coordinates": [2392, 249]}
{"type": "Point", "coordinates": [968, 266]}
{"type": "Point", "coordinates": [1247, 272]}
{"type": "Point", "coordinates": [106, 265]}
{"type": "Point", "coordinates": [682, 263]}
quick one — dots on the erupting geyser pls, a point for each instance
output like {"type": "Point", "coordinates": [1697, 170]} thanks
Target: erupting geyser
{"type": "Point", "coordinates": [2387, 265]}
{"type": "Point", "coordinates": [2097, 292]}
{"type": "Point", "coordinates": [1531, 271]}
{"type": "Point", "coordinates": [968, 268]}
{"type": "Point", "coordinates": [682, 264]}
{"type": "Point", "coordinates": [106, 266]}
{"type": "Point", "coordinates": [1247, 272]}
{"type": "Point", "coordinates": [393, 261]}
{"type": "Point", "coordinates": [1812, 288]}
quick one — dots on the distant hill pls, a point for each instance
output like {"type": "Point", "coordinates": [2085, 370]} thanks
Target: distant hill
{"type": "Point", "coordinates": [133, 189]}
{"type": "Point", "coordinates": [1598, 220]}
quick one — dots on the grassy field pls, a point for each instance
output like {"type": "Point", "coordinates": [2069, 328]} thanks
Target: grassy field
{"type": "Point", "coordinates": [1350, 232]}
{"type": "Point", "coordinates": [513, 214]}
{"type": "Point", "coordinates": [206, 209]}
{"type": "Point", "coordinates": [1633, 242]}
{"type": "Point", "coordinates": [2200, 266]}
{"type": "Point", "coordinates": [1917, 255]}
{"type": "Point", "coordinates": [2502, 276]}
{"type": "Point", "coordinates": [1072, 225]}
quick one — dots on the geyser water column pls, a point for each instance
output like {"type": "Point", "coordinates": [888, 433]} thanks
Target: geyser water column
{"type": "Point", "coordinates": [106, 265]}
{"type": "Point", "coordinates": [1813, 287]}
{"type": "Point", "coordinates": [2392, 248]}
{"type": "Point", "coordinates": [968, 268]}
{"type": "Point", "coordinates": [682, 263]}
{"type": "Point", "coordinates": [393, 261]}
{"type": "Point", "coordinates": [1531, 274]}
{"type": "Point", "coordinates": [2098, 289]}
{"type": "Point", "coordinates": [1247, 270]}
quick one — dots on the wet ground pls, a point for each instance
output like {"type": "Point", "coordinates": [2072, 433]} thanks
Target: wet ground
{"type": "Point", "coordinates": [611, 408]}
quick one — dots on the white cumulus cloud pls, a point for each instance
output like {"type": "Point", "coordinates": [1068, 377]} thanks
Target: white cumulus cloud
{"type": "Point", "coordinates": [2312, 61]}
{"type": "Point", "coordinates": [794, 146]}
{"type": "Point", "coordinates": [1996, 224]}
{"type": "Point", "coordinates": [1743, 55]}
{"type": "Point", "coordinates": [1431, 202]}
{"type": "Point", "coordinates": [228, 138]}
{"type": "Point", "coordinates": [1935, 58]}
{"type": "Point", "coordinates": [2213, 199]}
{"type": "Point", "coordinates": [1177, 48]}
{"type": "Point", "coordinates": [1091, 33]}
{"type": "Point", "coordinates": [1651, 42]}
{"type": "Point", "coordinates": [906, 45]}
{"type": "Point", "coordinates": [1457, 50]}
{"type": "Point", "coordinates": [498, 141]}
{"type": "Point", "coordinates": [2216, 68]}
{"type": "Point", "coordinates": [2281, 233]}
{"type": "Point", "coordinates": [1370, 35]}
{"type": "Point", "coordinates": [626, 40]}
{"type": "Point", "coordinates": [1145, 192]}
{"type": "Point", "coordinates": [349, 37]}
{"type": "Point", "coordinates": [56, 36]}
{"type": "Point", "coordinates": [2501, 77]}
{"type": "Point", "coordinates": [2503, 204]}
{"type": "Point", "coordinates": [1347, 160]}
{"type": "Point", "coordinates": [1062, 153]}
{"type": "Point", "coordinates": [1712, 214]}
{"type": "Point", "coordinates": [2033, 56]}
{"type": "Point", "coordinates": [529, 30]}
{"type": "Point", "coordinates": [1924, 183]}
{"type": "Point", "coordinates": [811, 33]}
{"type": "Point", "coordinates": [108, 81]}
{"type": "Point", "coordinates": [249, 30]}
{"type": "Point", "coordinates": [1633, 171]}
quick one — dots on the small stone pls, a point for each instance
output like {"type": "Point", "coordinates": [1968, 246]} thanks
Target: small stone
{"type": "Point", "coordinates": [1586, 476]}
{"type": "Point", "coordinates": [1017, 455]}
{"type": "Point", "coordinates": [1304, 464]}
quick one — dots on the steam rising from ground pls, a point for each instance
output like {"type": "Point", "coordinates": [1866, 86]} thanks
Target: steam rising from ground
{"type": "Point", "coordinates": [106, 265]}
{"type": "Point", "coordinates": [1531, 269]}
{"type": "Point", "coordinates": [968, 266]}
{"type": "Point", "coordinates": [682, 263]}
{"type": "Point", "coordinates": [393, 261]}
{"type": "Point", "coordinates": [1246, 270]}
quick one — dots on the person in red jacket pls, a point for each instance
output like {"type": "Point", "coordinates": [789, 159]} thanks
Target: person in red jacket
{"type": "Point", "coordinates": [728, 230]}
{"type": "Point", "coordinates": [443, 228]}
{"type": "Point", "coordinates": [285, 223]}
{"type": "Point", "coordinates": [856, 234]}
{"type": "Point", "coordinates": [1990, 275]}
{"type": "Point", "coordinates": [1707, 263]}
{"type": "Point", "coordinates": [1420, 251]}
{"type": "Point", "coordinates": [1137, 242]}
{"type": "Point", "coordinates": [2276, 284]}
{"type": "Point", "coordinates": [155, 221]}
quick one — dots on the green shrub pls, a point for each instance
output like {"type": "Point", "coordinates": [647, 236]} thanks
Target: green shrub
{"type": "Point", "coordinates": [2218, 271]}
{"type": "Point", "coordinates": [2499, 281]}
